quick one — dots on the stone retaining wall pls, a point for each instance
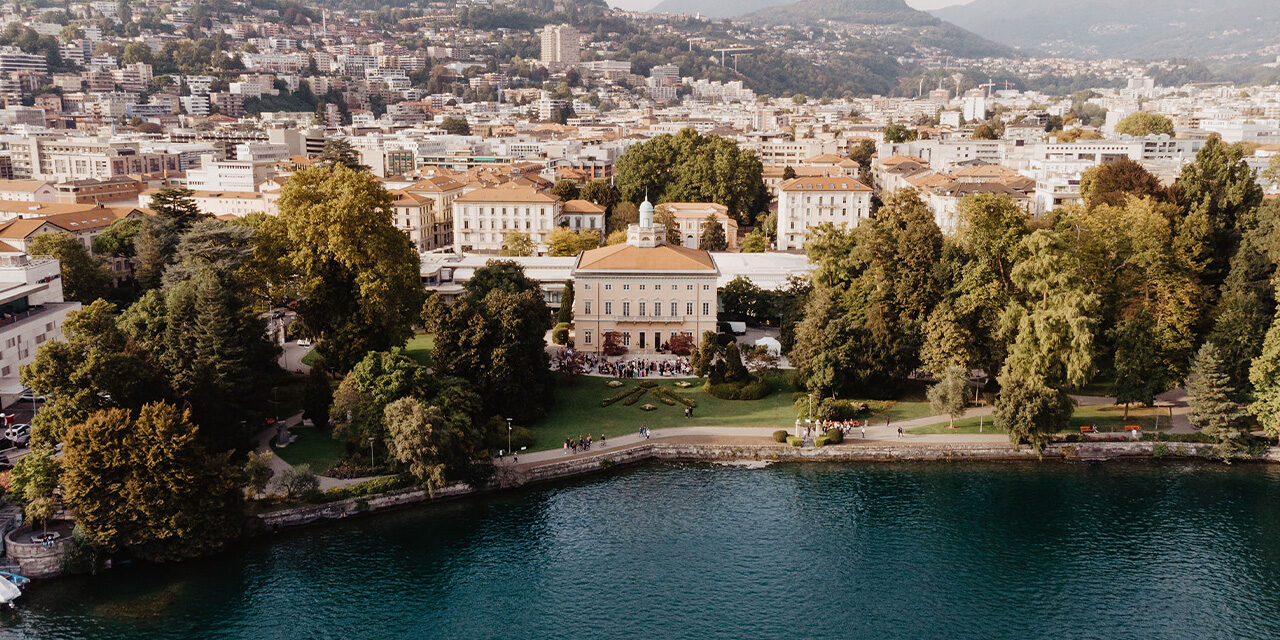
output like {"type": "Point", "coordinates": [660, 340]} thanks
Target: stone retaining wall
{"type": "Point", "coordinates": [36, 560]}
{"type": "Point", "coordinates": [507, 478]}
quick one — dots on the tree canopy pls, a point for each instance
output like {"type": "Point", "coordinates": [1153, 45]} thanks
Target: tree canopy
{"type": "Point", "coordinates": [690, 167]}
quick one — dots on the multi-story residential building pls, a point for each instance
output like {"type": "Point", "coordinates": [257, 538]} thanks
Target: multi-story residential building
{"type": "Point", "coordinates": [227, 175]}
{"type": "Point", "coordinates": [581, 214]}
{"type": "Point", "coordinates": [89, 191]}
{"type": "Point", "coordinates": [642, 293]}
{"type": "Point", "coordinates": [807, 202]}
{"type": "Point", "coordinates": [32, 312]}
{"type": "Point", "coordinates": [14, 60]}
{"type": "Point", "coordinates": [417, 216]}
{"type": "Point", "coordinates": [691, 219]}
{"type": "Point", "coordinates": [561, 45]}
{"type": "Point", "coordinates": [81, 158]}
{"type": "Point", "coordinates": [28, 191]}
{"type": "Point", "coordinates": [482, 218]}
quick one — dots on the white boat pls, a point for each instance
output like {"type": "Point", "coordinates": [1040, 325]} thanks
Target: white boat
{"type": "Point", "coordinates": [11, 585]}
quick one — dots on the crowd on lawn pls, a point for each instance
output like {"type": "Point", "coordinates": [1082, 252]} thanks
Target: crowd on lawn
{"type": "Point", "coordinates": [592, 364]}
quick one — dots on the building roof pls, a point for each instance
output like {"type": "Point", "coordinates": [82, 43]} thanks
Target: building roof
{"type": "Point", "coordinates": [518, 194]}
{"type": "Point", "coordinates": [583, 207]}
{"type": "Point", "coordinates": [625, 257]}
{"type": "Point", "coordinates": [23, 186]}
{"type": "Point", "coordinates": [984, 171]}
{"type": "Point", "coordinates": [825, 158]}
{"type": "Point", "coordinates": [695, 209]}
{"type": "Point", "coordinates": [834, 183]}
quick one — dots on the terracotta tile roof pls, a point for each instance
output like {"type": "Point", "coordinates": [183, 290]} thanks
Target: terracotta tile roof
{"type": "Point", "coordinates": [520, 194]}
{"type": "Point", "coordinates": [893, 161]}
{"type": "Point", "coordinates": [984, 171]}
{"type": "Point", "coordinates": [624, 257]}
{"type": "Point", "coordinates": [24, 186]}
{"type": "Point", "coordinates": [823, 184]}
{"type": "Point", "coordinates": [825, 158]}
{"type": "Point", "coordinates": [583, 206]}
{"type": "Point", "coordinates": [19, 229]}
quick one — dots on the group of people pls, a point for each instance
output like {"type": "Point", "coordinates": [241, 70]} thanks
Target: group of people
{"type": "Point", "coordinates": [581, 444]}
{"type": "Point", "coordinates": [816, 427]}
{"type": "Point", "coordinates": [638, 367]}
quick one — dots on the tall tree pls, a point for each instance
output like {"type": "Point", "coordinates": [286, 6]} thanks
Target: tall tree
{"type": "Point", "coordinates": [690, 167]}
{"type": "Point", "coordinates": [1215, 402]}
{"type": "Point", "coordinates": [565, 190]}
{"type": "Point", "coordinates": [1265, 377]}
{"type": "Point", "coordinates": [602, 193]}
{"type": "Point", "coordinates": [358, 274]}
{"type": "Point", "coordinates": [379, 379]}
{"type": "Point", "coordinates": [495, 339]}
{"type": "Point", "coordinates": [154, 249]}
{"type": "Point", "coordinates": [1029, 410]}
{"type": "Point", "coordinates": [713, 238]}
{"type": "Point", "coordinates": [176, 205]}
{"type": "Point", "coordinates": [947, 395]}
{"type": "Point", "coordinates": [1145, 124]}
{"type": "Point", "coordinates": [338, 151]}
{"type": "Point", "coordinates": [1114, 182]}
{"type": "Point", "coordinates": [516, 244]}
{"type": "Point", "coordinates": [1141, 374]}
{"type": "Point", "coordinates": [422, 439]}
{"type": "Point", "coordinates": [146, 485]}
{"type": "Point", "coordinates": [1215, 193]}
{"type": "Point", "coordinates": [84, 278]}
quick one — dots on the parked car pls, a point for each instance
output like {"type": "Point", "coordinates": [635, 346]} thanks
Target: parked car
{"type": "Point", "coordinates": [737, 328]}
{"type": "Point", "coordinates": [304, 342]}
{"type": "Point", "coordinates": [18, 434]}
{"type": "Point", "coordinates": [30, 396]}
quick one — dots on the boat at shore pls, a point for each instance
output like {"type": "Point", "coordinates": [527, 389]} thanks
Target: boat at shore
{"type": "Point", "coordinates": [11, 587]}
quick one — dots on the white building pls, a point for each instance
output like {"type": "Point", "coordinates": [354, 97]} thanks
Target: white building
{"type": "Point", "coordinates": [227, 175]}
{"type": "Point", "coordinates": [807, 202]}
{"type": "Point", "coordinates": [32, 312]}
{"type": "Point", "coordinates": [484, 217]}
{"type": "Point", "coordinates": [561, 45]}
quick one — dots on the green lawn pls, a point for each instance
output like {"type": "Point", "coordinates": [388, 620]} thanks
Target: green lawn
{"type": "Point", "coordinates": [577, 410]}
{"type": "Point", "coordinates": [286, 396]}
{"type": "Point", "coordinates": [314, 448]}
{"type": "Point", "coordinates": [419, 348]}
{"type": "Point", "coordinates": [1106, 417]}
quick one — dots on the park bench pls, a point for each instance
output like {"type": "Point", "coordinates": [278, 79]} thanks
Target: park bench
{"type": "Point", "coordinates": [1088, 429]}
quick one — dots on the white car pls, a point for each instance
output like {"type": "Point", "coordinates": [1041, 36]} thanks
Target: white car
{"type": "Point", "coordinates": [304, 342]}
{"type": "Point", "coordinates": [18, 434]}
{"type": "Point", "coordinates": [30, 396]}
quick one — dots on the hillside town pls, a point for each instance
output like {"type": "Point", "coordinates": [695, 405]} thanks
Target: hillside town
{"type": "Point", "coordinates": [265, 262]}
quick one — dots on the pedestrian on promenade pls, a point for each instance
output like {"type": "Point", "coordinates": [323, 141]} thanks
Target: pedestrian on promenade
{"type": "Point", "coordinates": [899, 432]}
{"type": "Point", "coordinates": [864, 432]}
{"type": "Point", "coordinates": [602, 442]}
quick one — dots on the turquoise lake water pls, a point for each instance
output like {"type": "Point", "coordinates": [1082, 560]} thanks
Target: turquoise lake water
{"type": "Point", "coordinates": [1017, 551]}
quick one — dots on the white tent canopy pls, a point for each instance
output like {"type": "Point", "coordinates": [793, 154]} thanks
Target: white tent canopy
{"type": "Point", "coordinates": [772, 344]}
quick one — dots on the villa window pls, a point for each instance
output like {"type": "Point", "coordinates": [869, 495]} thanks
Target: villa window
{"type": "Point", "coordinates": [706, 308]}
{"type": "Point", "coordinates": [675, 308]}
{"type": "Point", "coordinates": [688, 308]}
{"type": "Point", "coordinates": [586, 307]}
{"type": "Point", "coordinates": [586, 336]}
{"type": "Point", "coordinates": [608, 308]}
{"type": "Point", "coordinates": [626, 308]}
{"type": "Point", "coordinates": [657, 308]}
{"type": "Point", "coordinates": [642, 309]}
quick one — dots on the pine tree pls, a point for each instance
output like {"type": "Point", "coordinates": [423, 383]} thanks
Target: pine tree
{"type": "Point", "coordinates": [176, 205]}
{"type": "Point", "coordinates": [735, 371]}
{"type": "Point", "coordinates": [1265, 376]}
{"type": "Point", "coordinates": [713, 238]}
{"type": "Point", "coordinates": [1215, 406]}
{"type": "Point", "coordinates": [318, 398]}
{"type": "Point", "coordinates": [565, 313]}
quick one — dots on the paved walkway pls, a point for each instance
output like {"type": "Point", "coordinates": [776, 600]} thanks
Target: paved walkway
{"type": "Point", "coordinates": [878, 433]}
{"type": "Point", "coordinates": [264, 442]}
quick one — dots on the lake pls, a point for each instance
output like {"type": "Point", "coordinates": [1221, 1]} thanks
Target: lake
{"type": "Point", "coordinates": [961, 550]}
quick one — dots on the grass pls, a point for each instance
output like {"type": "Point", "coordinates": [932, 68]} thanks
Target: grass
{"type": "Point", "coordinates": [1106, 417]}
{"type": "Point", "coordinates": [577, 410]}
{"type": "Point", "coordinates": [286, 396]}
{"type": "Point", "coordinates": [314, 448]}
{"type": "Point", "coordinates": [419, 348]}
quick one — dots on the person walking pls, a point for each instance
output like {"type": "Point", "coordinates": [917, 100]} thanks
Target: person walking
{"type": "Point", "coordinates": [899, 432]}
{"type": "Point", "coordinates": [864, 432]}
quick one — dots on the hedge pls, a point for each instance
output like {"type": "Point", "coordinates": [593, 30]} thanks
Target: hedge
{"type": "Point", "coordinates": [626, 396]}
{"type": "Point", "coordinates": [795, 441]}
{"type": "Point", "coordinates": [835, 436]}
{"type": "Point", "coordinates": [780, 435]}
{"type": "Point", "coordinates": [367, 488]}
{"type": "Point", "coordinates": [631, 399]}
{"type": "Point", "coordinates": [820, 441]}
{"type": "Point", "coordinates": [665, 394]}
{"type": "Point", "coordinates": [754, 390]}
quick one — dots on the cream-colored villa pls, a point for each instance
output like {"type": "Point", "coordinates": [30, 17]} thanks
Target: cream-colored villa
{"type": "Point", "coordinates": [645, 290]}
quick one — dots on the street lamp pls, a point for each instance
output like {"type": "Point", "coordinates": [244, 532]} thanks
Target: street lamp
{"type": "Point", "coordinates": [371, 462]}
{"type": "Point", "coordinates": [509, 436]}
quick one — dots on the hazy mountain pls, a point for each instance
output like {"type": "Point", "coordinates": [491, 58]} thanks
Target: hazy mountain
{"type": "Point", "coordinates": [908, 25]}
{"type": "Point", "coordinates": [1123, 28]}
{"type": "Point", "coordinates": [716, 8]}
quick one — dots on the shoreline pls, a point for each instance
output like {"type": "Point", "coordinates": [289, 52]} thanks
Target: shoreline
{"type": "Point", "coordinates": [745, 450]}
{"type": "Point", "coordinates": [715, 449]}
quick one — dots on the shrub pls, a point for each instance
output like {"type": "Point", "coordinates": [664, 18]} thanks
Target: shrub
{"type": "Point", "coordinates": [627, 397]}
{"type": "Point", "coordinates": [614, 383]}
{"type": "Point", "coordinates": [835, 436]}
{"type": "Point", "coordinates": [681, 344]}
{"type": "Point", "coordinates": [780, 435]}
{"type": "Point", "coordinates": [755, 389]}
{"type": "Point", "coordinates": [795, 441]}
{"type": "Point", "coordinates": [367, 488]}
{"type": "Point", "coordinates": [635, 396]}
{"type": "Point", "coordinates": [560, 333]}
{"type": "Point", "coordinates": [1159, 450]}
{"type": "Point", "coordinates": [833, 409]}
{"type": "Point", "coordinates": [648, 384]}
{"type": "Point", "coordinates": [683, 384]}
{"type": "Point", "coordinates": [820, 441]}
{"type": "Point", "coordinates": [667, 396]}
{"type": "Point", "coordinates": [299, 481]}
{"type": "Point", "coordinates": [648, 407]}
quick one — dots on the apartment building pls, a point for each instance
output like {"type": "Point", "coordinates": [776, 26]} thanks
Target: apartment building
{"type": "Point", "coordinates": [86, 158]}
{"type": "Point", "coordinates": [228, 175]}
{"type": "Point", "coordinates": [561, 45]}
{"type": "Point", "coordinates": [32, 312]}
{"type": "Point", "coordinates": [804, 203]}
{"type": "Point", "coordinates": [482, 218]}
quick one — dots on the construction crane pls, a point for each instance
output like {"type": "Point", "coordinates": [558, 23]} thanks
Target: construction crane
{"type": "Point", "coordinates": [732, 50]}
